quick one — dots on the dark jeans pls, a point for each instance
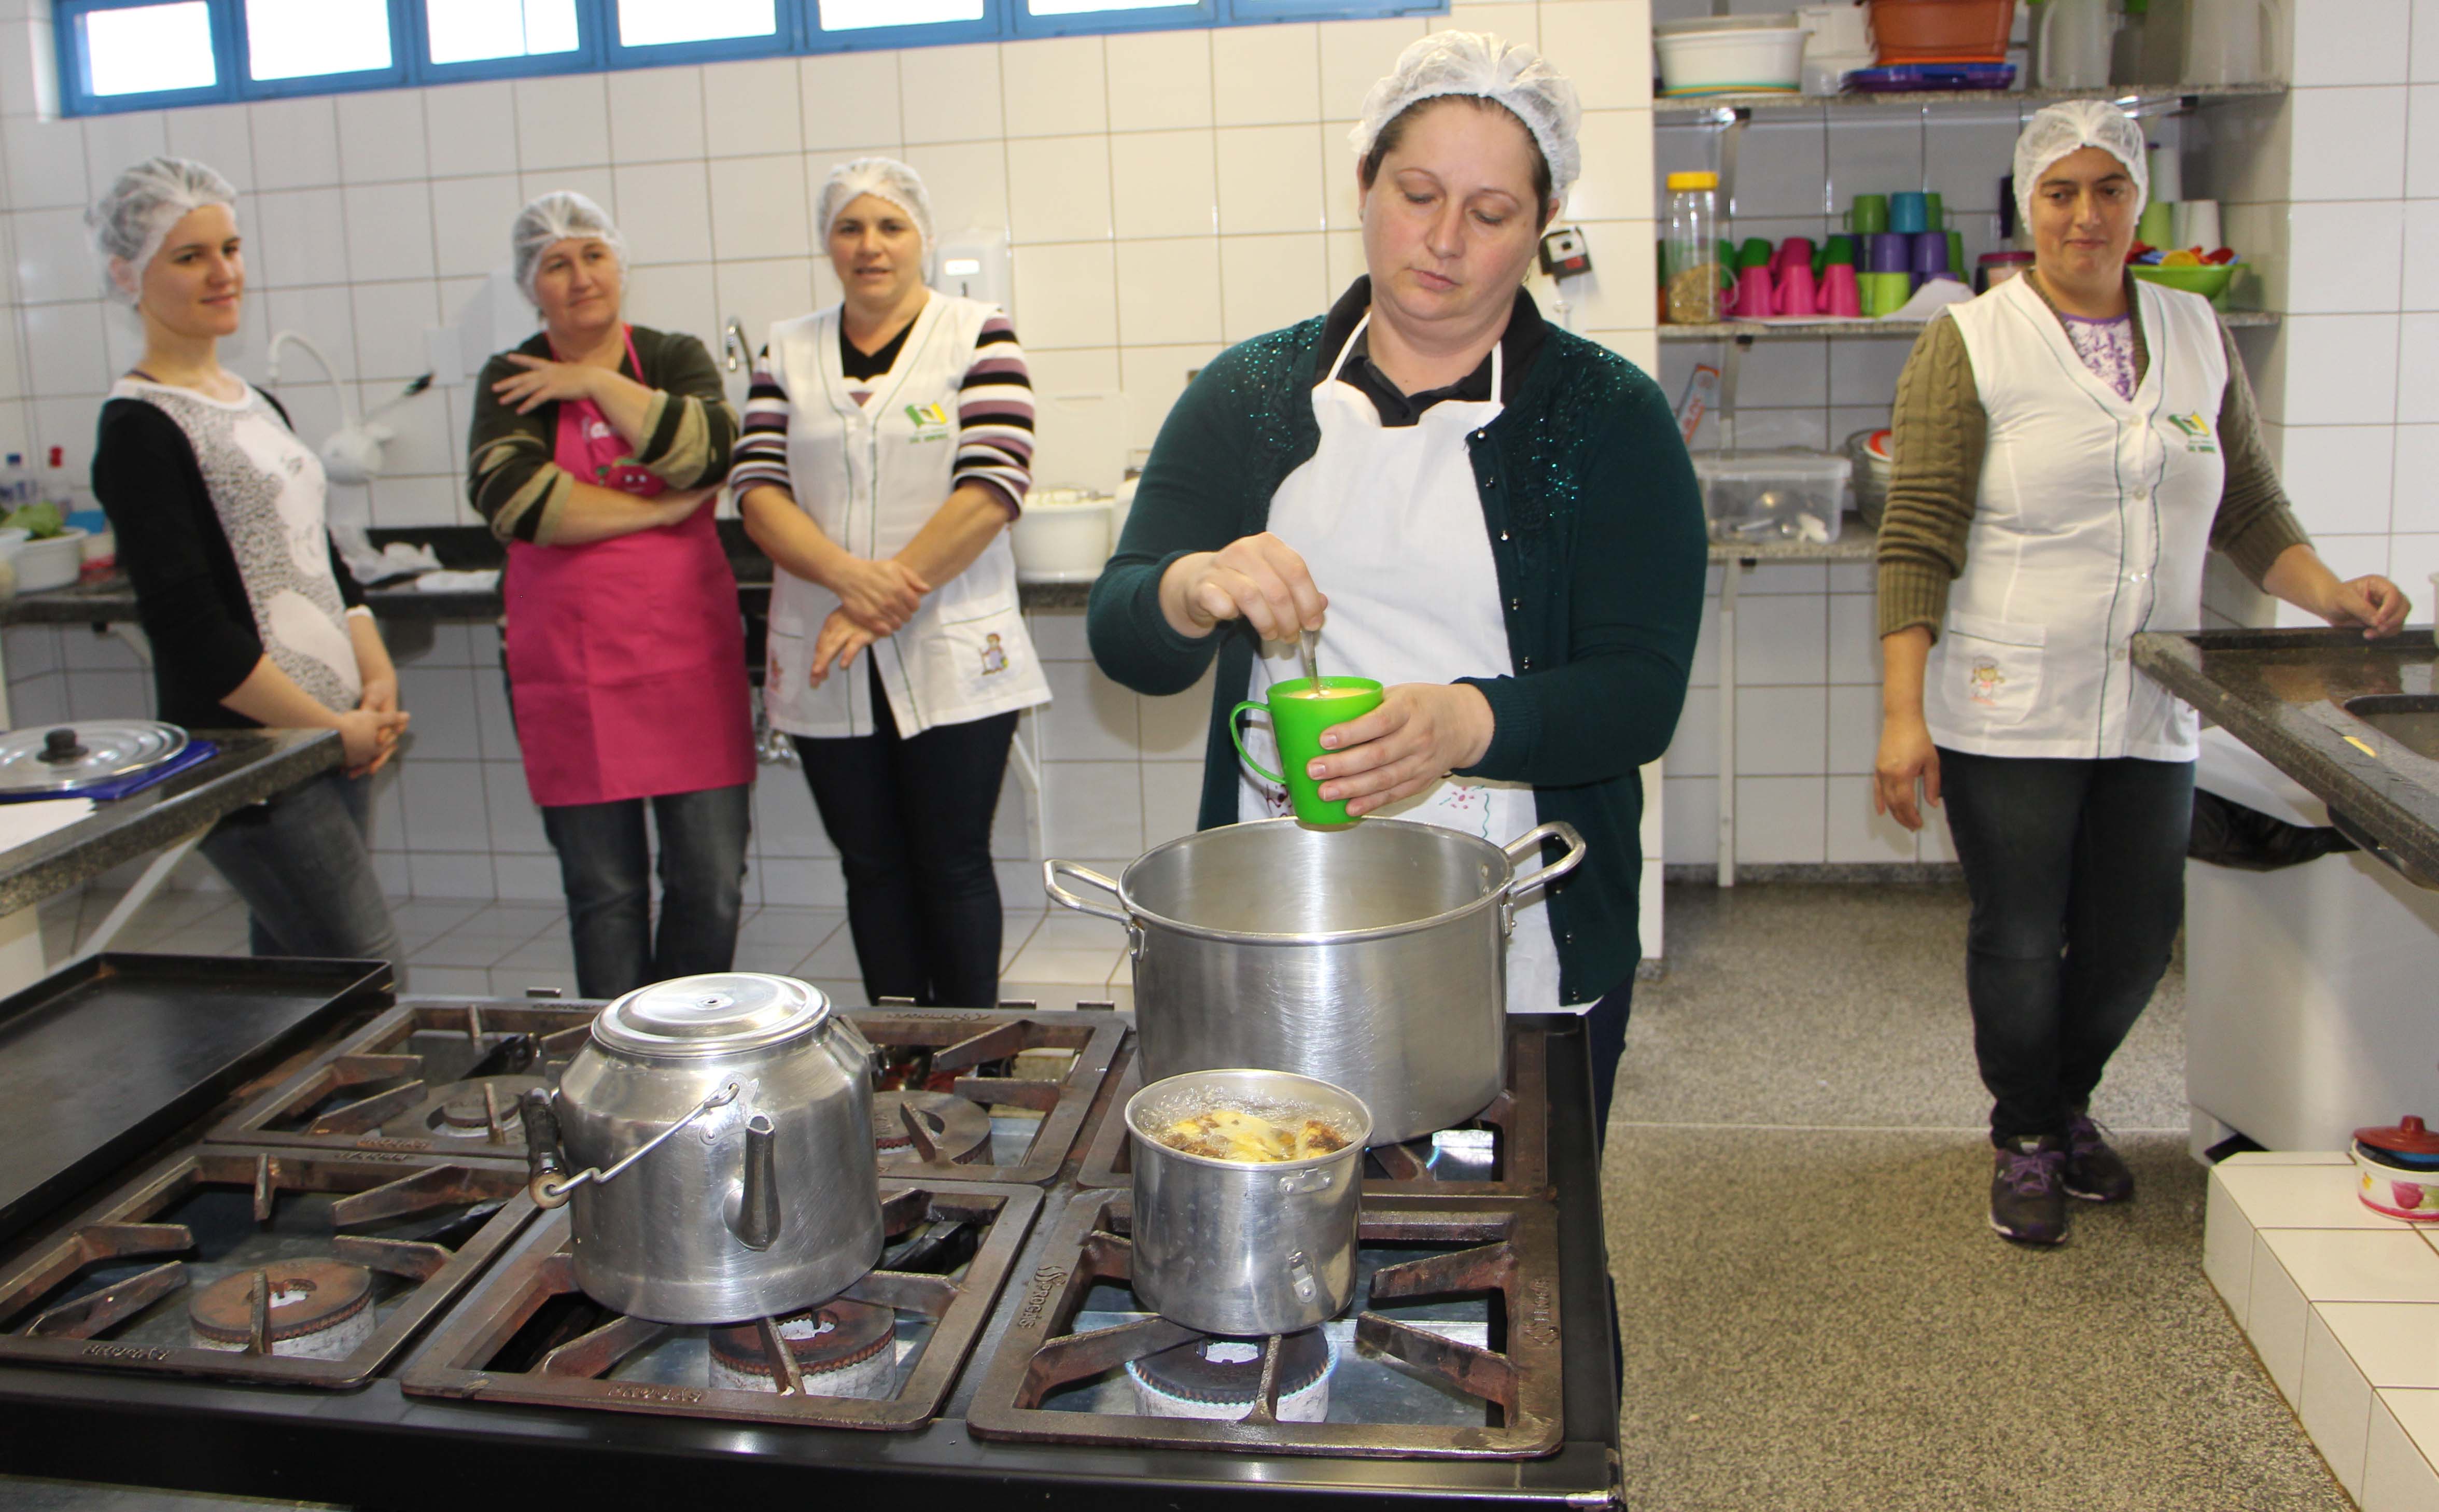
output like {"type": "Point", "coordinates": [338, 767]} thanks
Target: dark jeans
{"type": "Point", "coordinates": [1604, 1042]}
{"type": "Point", "coordinates": [605, 863]}
{"type": "Point", "coordinates": [912, 820]}
{"type": "Point", "coordinates": [2078, 872]}
{"type": "Point", "coordinates": [303, 865]}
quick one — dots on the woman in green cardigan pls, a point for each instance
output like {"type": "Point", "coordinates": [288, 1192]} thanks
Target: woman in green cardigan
{"type": "Point", "coordinates": [1495, 518]}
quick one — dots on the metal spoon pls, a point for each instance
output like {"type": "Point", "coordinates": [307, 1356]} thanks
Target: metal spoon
{"type": "Point", "coordinates": [1308, 642]}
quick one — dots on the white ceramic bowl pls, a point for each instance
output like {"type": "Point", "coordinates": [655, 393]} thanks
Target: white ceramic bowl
{"type": "Point", "coordinates": [51, 564]}
{"type": "Point", "coordinates": [1730, 55]}
{"type": "Point", "coordinates": [2397, 1191]}
{"type": "Point", "coordinates": [1062, 531]}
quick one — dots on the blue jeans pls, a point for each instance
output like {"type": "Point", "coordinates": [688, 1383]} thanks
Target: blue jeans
{"type": "Point", "coordinates": [605, 865]}
{"type": "Point", "coordinates": [2078, 872]}
{"type": "Point", "coordinates": [302, 865]}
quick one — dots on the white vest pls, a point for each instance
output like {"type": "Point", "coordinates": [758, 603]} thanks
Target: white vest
{"type": "Point", "coordinates": [2092, 524]}
{"type": "Point", "coordinates": [871, 475]}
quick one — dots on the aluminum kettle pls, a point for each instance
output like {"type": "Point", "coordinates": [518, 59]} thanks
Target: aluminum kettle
{"type": "Point", "coordinates": [721, 1132]}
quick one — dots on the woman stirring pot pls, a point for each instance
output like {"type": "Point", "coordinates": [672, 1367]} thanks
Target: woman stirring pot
{"type": "Point", "coordinates": [596, 449]}
{"type": "Point", "coordinates": [2070, 447]}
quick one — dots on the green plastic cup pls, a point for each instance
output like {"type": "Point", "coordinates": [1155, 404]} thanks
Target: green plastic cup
{"type": "Point", "coordinates": [1298, 719]}
{"type": "Point", "coordinates": [1934, 213]}
{"type": "Point", "coordinates": [1837, 249]}
{"type": "Point", "coordinates": [1884, 293]}
{"type": "Point", "coordinates": [1754, 252]}
{"type": "Point", "coordinates": [2156, 227]}
{"type": "Point", "coordinates": [1869, 213]}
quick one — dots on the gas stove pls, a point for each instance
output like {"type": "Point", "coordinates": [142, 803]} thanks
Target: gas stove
{"type": "Point", "coordinates": [996, 1349]}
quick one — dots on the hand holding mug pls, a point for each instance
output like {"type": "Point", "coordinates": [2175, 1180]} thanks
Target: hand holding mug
{"type": "Point", "coordinates": [1258, 579]}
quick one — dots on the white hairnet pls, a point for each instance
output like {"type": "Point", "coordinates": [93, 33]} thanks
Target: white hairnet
{"type": "Point", "coordinates": [886, 177]}
{"type": "Point", "coordinates": [136, 217]}
{"type": "Point", "coordinates": [561, 215]}
{"type": "Point", "coordinates": [1478, 63]}
{"type": "Point", "coordinates": [2070, 126]}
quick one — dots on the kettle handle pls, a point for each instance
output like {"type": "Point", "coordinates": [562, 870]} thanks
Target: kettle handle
{"type": "Point", "coordinates": [550, 1191]}
{"type": "Point", "coordinates": [1053, 870]}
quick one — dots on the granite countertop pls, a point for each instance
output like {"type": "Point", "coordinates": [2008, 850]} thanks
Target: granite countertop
{"type": "Point", "coordinates": [2282, 692]}
{"type": "Point", "coordinates": [252, 765]}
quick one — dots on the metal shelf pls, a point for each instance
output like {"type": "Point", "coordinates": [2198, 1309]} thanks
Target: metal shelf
{"type": "Point", "coordinates": [1755, 330]}
{"type": "Point", "coordinates": [2141, 99]}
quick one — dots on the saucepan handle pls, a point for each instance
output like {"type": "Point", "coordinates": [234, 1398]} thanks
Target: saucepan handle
{"type": "Point", "coordinates": [1528, 845]}
{"type": "Point", "coordinates": [1053, 870]}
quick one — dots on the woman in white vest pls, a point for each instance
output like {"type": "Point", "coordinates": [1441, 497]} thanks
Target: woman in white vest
{"type": "Point", "coordinates": [2070, 447]}
{"type": "Point", "coordinates": [887, 444]}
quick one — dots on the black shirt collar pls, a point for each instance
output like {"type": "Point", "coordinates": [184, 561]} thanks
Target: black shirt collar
{"type": "Point", "coordinates": [1520, 344]}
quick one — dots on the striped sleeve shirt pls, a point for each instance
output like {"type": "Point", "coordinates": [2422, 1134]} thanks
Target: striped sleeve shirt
{"type": "Point", "coordinates": [994, 421]}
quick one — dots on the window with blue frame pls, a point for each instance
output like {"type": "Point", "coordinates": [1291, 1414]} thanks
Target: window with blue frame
{"type": "Point", "coordinates": [119, 55]}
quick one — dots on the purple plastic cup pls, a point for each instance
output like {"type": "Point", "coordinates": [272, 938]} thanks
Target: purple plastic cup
{"type": "Point", "coordinates": [1929, 253]}
{"type": "Point", "coordinates": [1889, 251]}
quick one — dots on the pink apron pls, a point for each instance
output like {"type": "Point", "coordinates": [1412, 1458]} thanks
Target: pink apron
{"type": "Point", "coordinates": [626, 657]}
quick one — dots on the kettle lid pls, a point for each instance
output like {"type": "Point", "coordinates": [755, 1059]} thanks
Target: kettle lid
{"type": "Point", "coordinates": [717, 1013]}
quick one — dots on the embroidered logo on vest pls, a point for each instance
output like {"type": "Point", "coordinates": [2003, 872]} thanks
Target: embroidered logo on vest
{"type": "Point", "coordinates": [994, 656]}
{"type": "Point", "coordinates": [2196, 429]}
{"type": "Point", "coordinates": [930, 421]}
{"type": "Point", "coordinates": [1987, 680]}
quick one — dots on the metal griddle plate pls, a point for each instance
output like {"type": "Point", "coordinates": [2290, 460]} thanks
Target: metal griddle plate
{"type": "Point", "coordinates": [107, 1057]}
{"type": "Point", "coordinates": [105, 750]}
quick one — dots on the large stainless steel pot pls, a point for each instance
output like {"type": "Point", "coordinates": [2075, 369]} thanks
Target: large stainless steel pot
{"type": "Point", "coordinates": [1236, 1247]}
{"type": "Point", "coordinates": [1373, 958]}
{"type": "Point", "coordinates": [723, 1126]}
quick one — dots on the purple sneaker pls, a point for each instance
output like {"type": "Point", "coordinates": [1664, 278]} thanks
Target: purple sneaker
{"type": "Point", "coordinates": [2028, 1190]}
{"type": "Point", "coordinates": [2094, 1171]}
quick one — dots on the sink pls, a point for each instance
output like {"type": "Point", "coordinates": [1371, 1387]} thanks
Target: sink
{"type": "Point", "coordinates": [2412, 719]}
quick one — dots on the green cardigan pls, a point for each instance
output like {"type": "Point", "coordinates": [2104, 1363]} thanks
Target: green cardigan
{"type": "Point", "coordinates": [1596, 528]}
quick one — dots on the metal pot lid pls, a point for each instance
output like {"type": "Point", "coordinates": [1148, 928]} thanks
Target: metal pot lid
{"type": "Point", "coordinates": [68, 757]}
{"type": "Point", "coordinates": [719, 1013]}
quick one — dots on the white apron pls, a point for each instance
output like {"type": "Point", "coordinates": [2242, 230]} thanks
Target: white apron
{"type": "Point", "coordinates": [871, 475]}
{"type": "Point", "coordinates": [1387, 519]}
{"type": "Point", "coordinates": [2092, 524]}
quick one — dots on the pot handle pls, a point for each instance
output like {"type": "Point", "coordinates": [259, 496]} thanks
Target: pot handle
{"type": "Point", "coordinates": [1053, 870]}
{"type": "Point", "coordinates": [549, 1191]}
{"type": "Point", "coordinates": [1528, 845]}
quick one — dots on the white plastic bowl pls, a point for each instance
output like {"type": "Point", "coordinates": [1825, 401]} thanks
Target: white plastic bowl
{"type": "Point", "coordinates": [51, 564]}
{"type": "Point", "coordinates": [2395, 1190]}
{"type": "Point", "coordinates": [1062, 532]}
{"type": "Point", "coordinates": [1730, 55]}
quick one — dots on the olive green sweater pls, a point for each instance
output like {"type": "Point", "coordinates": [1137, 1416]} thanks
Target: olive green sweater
{"type": "Point", "coordinates": [1595, 528]}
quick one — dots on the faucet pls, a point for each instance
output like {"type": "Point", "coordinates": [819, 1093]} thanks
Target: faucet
{"type": "Point", "coordinates": [734, 353]}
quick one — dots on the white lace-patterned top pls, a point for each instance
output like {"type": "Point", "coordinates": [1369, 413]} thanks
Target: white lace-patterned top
{"type": "Point", "coordinates": [2107, 347]}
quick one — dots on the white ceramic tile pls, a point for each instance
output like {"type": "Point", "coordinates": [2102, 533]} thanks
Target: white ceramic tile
{"type": "Point", "coordinates": [1172, 797]}
{"type": "Point", "coordinates": [2417, 458]}
{"type": "Point", "coordinates": [2352, 140]}
{"type": "Point", "coordinates": [665, 212]}
{"type": "Point", "coordinates": [2417, 368]}
{"type": "Point", "coordinates": [1267, 282]}
{"type": "Point", "coordinates": [1855, 833]}
{"type": "Point", "coordinates": [390, 231]}
{"type": "Point", "coordinates": [1059, 188]}
{"type": "Point", "coordinates": [296, 143]}
{"type": "Point", "coordinates": [2397, 1475]}
{"type": "Point", "coordinates": [391, 319]}
{"type": "Point", "coordinates": [445, 728]}
{"type": "Point", "coordinates": [2412, 561]}
{"type": "Point", "coordinates": [1607, 48]}
{"type": "Point", "coordinates": [1512, 20]}
{"type": "Point", "coordinates": [114, 143]}
{"type": "Point", "coordinates": [2356, 1265]}
{"type": "Point", "coordinates": [2274, 1320]}
{"type": "Point", "coordinates": [1054, 87]}
{"type": "Point", "coordinates": [2424, 64]}
{"type": "Point", "coordinates": [761, 293]}
{"type": "Point", "coordinates": [849, 99]}
{"type": "Point", "coordinates": [750, 107]}
{"type": "Point", "coordinates": [216, 134]}
{"type": "Point", "coordinates": [656, 114]}
{"type": "Point", "coordinates": [2350, 41]}
{"type": "Point", "coordinates": [63, 346]}
{"type": "Point", "coordinates": [2354, 252]}
{"type": "Point", "coordinates": [381, 137]}
{"type": "Point", "coordinates": [757, 207]}
{"type": "Point", "coordinates": [46, 163]}
{"type": "Point", "coordinates": [471, 222]}
{"type": "Point", "coordinates": [470, 129]}
{"type": "Point", "coordinates": [1781, 819]}
{"type": "Point", "coordinates": [1780, 638]}
{"type": "Point", "coordinates": [2339, 370]}
{"type": "Point", "coordinates": [55, 258]}
{"type": "Point", "coordinates": [68, 424]}
{"type": "Point", "coordinates": [516, 822]}
{"type": "Point", "coordinates": [1062, 295]}
{"type": "Point", "coordinates": [418, 503]}
{"type": "Point", "coordinates": [2335, 1405]}
{"type": "Point", "coordinates": [1781, 731]}
{"type": "Point", "coordinates": [2420, 285]}
{"type": "Point", "coordinates": [966, 182]}
{"type": "Point", "coordinates": [1269, 75]}
{"type": "Point", "coordinates": [1873, 157]}
{"type": "Point", "coordinates": [1095, 808]}
{"type": "Point", "coordinates": [1269, 179]}
{"type": "Point", "coordinates": [2391, 1343]}
{"type": "Point", "coordinates": [1780, 171]}
{"type": "Point", "coordinates": [2338, 476]}
{"type": "Point", "coordinates": [1164, 184]}
{"type": "Point", "coordinates": [1169, 292]}
{"type": "Point", "coordinates": [949, 94]}
{"type": "Point", "coordinates": [1854, 730]}
{"type": "Point", "coordinates": [562, 121]}
{"type": "Point", "coordinates": [445, 808]}
{"type": "Point", "coordinates": [2300, 1197]}
{"type": "Point", "coordinates": [1694, 750]}
{"type": "Point", "coordinates": [1090, 717]}
{"type": "Point", "coordinates": [679, 297]}
{"type": "Point", "coordinates": [1159, 80]}
{"type": "Point", "coordinates": [299, 239]}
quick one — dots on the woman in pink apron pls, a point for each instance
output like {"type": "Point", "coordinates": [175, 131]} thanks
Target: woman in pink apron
{"type": "Point", "coordinates": [595, 453]}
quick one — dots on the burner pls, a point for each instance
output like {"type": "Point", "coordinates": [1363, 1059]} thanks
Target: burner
{"type": "Point", "coordinates": [843, 1349]}
{"type": "Point", "coordinates": [928, 1125]}
{"type": "Point", "coordinates": [317, 1309]}
{"type": "Point", "coordinates": [1223, 1379]}
{"type": "Point", "coordinates": [461, 1111]}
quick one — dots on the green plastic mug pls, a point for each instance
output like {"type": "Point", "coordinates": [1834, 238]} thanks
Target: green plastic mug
{"type": "Point", "coordinates": [1297, 720]}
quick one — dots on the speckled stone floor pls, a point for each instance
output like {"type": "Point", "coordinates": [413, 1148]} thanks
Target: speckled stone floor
{"type": "Point", "coordinates": [1816, 1315]}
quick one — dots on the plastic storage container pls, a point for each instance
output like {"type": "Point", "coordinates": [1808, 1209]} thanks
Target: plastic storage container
{"type": "Point", "coordinates": [1062, 536]}
{"type": "Point", "coordinates": [1730, 55]}
{"type": "Point", "coordinates": [1693, 249]}
{"type": "Point", "coordinates": [1753, 497]}
{"type": "Point", "coordinates": [50, 563]}
{"type": "Point", "coordinates": [1943, 32]}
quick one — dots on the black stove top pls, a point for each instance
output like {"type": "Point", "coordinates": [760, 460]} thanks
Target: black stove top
{"type": "Point", "coordinates": [503, 1420]}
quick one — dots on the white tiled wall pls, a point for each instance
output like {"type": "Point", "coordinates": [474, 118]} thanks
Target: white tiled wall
{"type": "Point", "coordinates": [1166, 192]}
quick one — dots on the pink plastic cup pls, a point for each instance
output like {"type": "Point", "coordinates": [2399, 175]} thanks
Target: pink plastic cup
{"type": "Point", "coordinates": [1755, 294]}
{"type": "Point", "coordinates": [1797, 293]}
{"type": "Point", "coordinates": [1839, 294]}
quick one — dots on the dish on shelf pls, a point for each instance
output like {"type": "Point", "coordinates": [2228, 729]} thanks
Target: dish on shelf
{"type": "Point", "coordinates": [2209, 281]}
{"type": "Point", "coordinates": [1730, 55]}
{"type": "Point", "coordinates": [1057, 577]}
